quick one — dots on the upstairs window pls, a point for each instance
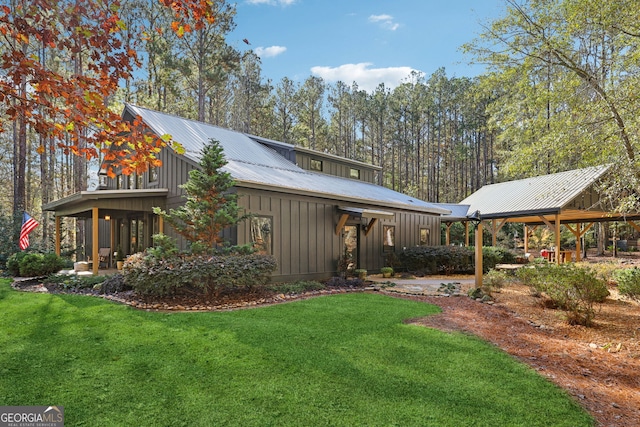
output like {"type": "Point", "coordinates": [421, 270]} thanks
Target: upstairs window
{"type": "Point", "coordinates": [354, 173]}
{"type": "Point", "coordinates": [316, 165]}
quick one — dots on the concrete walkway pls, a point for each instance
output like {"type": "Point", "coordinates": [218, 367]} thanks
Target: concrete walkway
{"type": "Point", "coordinates": [435, 285]}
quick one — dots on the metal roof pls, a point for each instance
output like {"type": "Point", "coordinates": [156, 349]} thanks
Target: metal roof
{"type": "Point", "coordinates": [252, 164]}
{"type": "Point", "coordinates": [539, 195]}
{"type": "Point", "coordinates": [459, 211]}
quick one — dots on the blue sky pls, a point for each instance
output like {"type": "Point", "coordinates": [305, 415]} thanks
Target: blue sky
{"type": "Point", "coordinates": [367, 41]}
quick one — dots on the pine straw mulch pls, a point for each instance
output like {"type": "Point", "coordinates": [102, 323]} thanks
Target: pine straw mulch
{"type": "Point", "coordinates": [599, 365]}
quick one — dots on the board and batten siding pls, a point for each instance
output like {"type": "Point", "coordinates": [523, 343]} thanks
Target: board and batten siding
{"type": "Point", "coordinates": [303, 234]}
{"type": "Point", "coordinates": [304, 241]}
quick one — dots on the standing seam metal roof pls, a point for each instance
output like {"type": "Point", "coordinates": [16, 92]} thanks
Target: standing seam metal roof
{"type": "Point", "coordinates": [252, 162]}
{"type": "Point", "coordinates": [541, 194]}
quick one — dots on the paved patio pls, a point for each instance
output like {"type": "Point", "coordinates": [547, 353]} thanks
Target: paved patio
{"type": "Point", "coordinates": [429, 285]}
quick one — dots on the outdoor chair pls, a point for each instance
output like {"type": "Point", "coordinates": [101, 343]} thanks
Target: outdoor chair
{"type": "Point", "coordinates": [104, 257]}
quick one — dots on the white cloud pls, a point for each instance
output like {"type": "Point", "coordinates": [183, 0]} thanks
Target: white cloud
{"type": "Point", "coordinates": [367, 78]}
{"type": "Point", "coordinates": [269, 52]}
{"type": "Point", "coordinates": [385, 21]}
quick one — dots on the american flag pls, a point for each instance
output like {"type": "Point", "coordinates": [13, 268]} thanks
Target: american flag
{"type": "Point", "coordinates": [28, 224]}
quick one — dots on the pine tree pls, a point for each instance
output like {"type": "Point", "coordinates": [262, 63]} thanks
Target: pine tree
{"type": "Point", "coordinates": [211, 205]}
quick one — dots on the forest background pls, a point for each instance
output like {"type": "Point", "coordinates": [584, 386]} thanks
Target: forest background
{"type": "Point", "coordinates": [561, 92]}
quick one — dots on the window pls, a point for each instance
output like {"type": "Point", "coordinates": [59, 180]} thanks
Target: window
{"type": "Point", "coordinates": [131, 182]}
{"type": "Point", "coordinates": [389, 236]}
{"type": "Point", "coordinates": [138, 180]}
{"type": "Point", "coordinates": [120, 182]}
{"type": "Point", "coordinates": [261, 234]}
{"type": "Point", "coordinates": [153, 173]}
{"type": "Point", "coordinates": [354, 173]}
{"type": "Point", "coordinates": [424, 236]}
{"type": "Point", "coordinates": [316, 165]}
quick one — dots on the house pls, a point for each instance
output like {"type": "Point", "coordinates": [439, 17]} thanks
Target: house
{"type": "Point", "coordinates": [309, 209]}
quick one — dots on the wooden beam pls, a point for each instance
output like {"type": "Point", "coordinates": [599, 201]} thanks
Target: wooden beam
{"type": "Point", "coordinates": [526, 238]}
{"type": "Point", "coordinates": [634, 225]}
{"type": "Point", "coordinates": [546, 221]}
{"type": "Point", "coordinates": [341, 223]}
{"type": "Point", "coordinates": [448, 233]}
{"type": "Point", "coordinates": [369, 227]}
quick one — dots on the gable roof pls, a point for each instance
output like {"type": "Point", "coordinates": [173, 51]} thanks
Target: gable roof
{"type": "Point", "coordinates": [253, 165]}
{"type": "Point", "coordinates": [532, 197]}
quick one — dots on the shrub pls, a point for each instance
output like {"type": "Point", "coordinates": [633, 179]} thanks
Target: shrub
{"type": "Point", "coordinates": [341, 282]}
{"type": "Point", "coordinates": [386, 271]}
{"type": "Point", "coordinates": [437, 259]}
{"type": "Point", "coordinates": [629, 282]}
{"type": "Point", "coordinates": [210, 274]}
{"type": "Point", "coordinates": [114, 284]}
{"type": "Point", "coordinates": [73, 281]}
{"type": "Point", "coordinates": [298, 287]}
{"type": "Point", "coordinates": [13, 263]}
{"type": "Point", "coordinates": [492, 256]}
{"type": "Point", "coordinates": [35, 264]}
{"type": "Point", "coordinates": [494, 280]}
{"type": "Point", "coordinates": [568, 287]}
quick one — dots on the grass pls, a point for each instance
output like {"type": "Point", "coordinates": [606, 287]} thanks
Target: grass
{"type": "Point", "coordinates": [343, 360]}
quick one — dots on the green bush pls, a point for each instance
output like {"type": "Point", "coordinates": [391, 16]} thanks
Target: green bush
{"type": "Point", "coordinates": [298, 287]}
{"type": "Point", "coordinates": [34, 264]}
{"type": "Point", "coordinates": [494, 280]}
{"type": "Point", "coordinates": [492, 256]}
{"type": "Point", "coordinates": [568, 287]}
{"type": "Point", "coordinates": [629, 282]}
{"type": "Point", "coordinates": [73, 281]}
{"type": "Point", "coordinates": [437, 259]}
{"type": "Point", "coordinates": [210, 274]}
{"type": "Point", "coordinates": [13, 263]}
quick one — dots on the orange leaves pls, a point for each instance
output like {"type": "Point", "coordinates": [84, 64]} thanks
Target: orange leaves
{"type": "Point", "coordinates": [70, 107]}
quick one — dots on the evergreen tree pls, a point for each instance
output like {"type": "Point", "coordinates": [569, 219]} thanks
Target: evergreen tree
{"type": "Point", "coordinates": [211, 205]}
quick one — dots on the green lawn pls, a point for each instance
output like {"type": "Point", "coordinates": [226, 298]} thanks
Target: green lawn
{"type": "Point", "coordinates": [344, 360]}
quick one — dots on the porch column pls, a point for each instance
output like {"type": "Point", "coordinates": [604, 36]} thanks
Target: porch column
{"type": "Point", "coordinates": [466, 233]}
{"type": "Point", "coordinates": [57, 235]}
{"type": "Point", "coordinates": [526, 238]}
{"type": "Point", "coordinates": [557, 228]}
{"type": "Point", "coordinates": [478, 244]}
{"type": "Point", "coordinates": [94, 235]}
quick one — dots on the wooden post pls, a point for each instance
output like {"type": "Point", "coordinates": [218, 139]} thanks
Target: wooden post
{"type": "Point", "coordinates": [466, 233]}
{"type": "Point", "coordinates": [526, 238]}
{"type": "Point", "coordinates": [478, 244]}
{"type": "Point", "coordinates": [57, 232]}
{"type": "Point", "coordinates": [94, 247]}
{"type": "Point", "coordinates": [448, 233]}
{"type": "Point", "coordinates": [557, 228]}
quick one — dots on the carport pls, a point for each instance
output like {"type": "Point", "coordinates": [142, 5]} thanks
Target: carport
{"type": "Point", "coordinates": [567, 198]}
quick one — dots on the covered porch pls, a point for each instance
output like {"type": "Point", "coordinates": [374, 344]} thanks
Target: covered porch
{"type": "Point", "coordinates": [115, 219]}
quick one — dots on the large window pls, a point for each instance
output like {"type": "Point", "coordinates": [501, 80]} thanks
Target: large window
{"type": "Point", "coordinates": [261, 234]}
{"type": "Point", "coordinates": [354, 173]}
{"type": "Point", "coordinates": [389, 236]}
{"type": "Point", "coordinates": [424, 236]}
